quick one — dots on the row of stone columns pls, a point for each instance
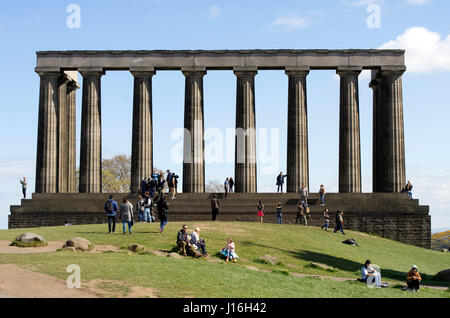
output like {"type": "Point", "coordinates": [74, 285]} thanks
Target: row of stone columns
{"type": "Point", "coordinates": [56, 131]}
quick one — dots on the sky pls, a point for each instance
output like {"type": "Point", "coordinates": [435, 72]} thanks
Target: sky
{"type": "Point", "coordinates": [421, 27]}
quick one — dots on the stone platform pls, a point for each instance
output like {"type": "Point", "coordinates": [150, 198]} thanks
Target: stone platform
{"type": "Point", "coordinates": [389, 215]}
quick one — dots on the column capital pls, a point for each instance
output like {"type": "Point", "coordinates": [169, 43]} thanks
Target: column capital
{"type": "Point", "coordinates": [345, 70]}
{"type": "Point", "coordinates": [142, 71]}
{"type": "Point", "coordinates": [392, 70]}
{"type": "Point", "coordinates": [48, 73]}
{"type": "Point", "coordinates": [193, 71]}
{"type": "Point", "coordinates": [244, 71]}
{"type": "Point", "coordinates": [297, 70]}
{"type": "Point", "coordinates": [91, 71]}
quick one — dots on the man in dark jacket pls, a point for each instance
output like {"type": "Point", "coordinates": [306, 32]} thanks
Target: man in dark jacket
{"type": "Point", "coordinates": [214, 207]}
{"type": "Point", "coordinates": [162, 208]}
{"type": "Point", "coordinates": [182, 240]}
{"type": "Point", "coordinates": [111, 208]}
{"type": "Point", "coordinates": [280, 181]}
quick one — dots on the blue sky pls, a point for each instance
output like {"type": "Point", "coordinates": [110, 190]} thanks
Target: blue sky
{"type": "Point", "coordinates": [419, 26]}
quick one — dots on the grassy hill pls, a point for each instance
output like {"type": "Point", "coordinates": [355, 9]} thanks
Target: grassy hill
{"type": "Point", "coordinates": [440, 240]}
{"type": "Point", "coordinates": [295, 247]}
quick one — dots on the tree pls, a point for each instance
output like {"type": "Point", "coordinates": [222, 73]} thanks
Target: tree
{"type": "Point", "coordinates": [116, 174]}
{"type": "Point", "coordinates": [214, 186]}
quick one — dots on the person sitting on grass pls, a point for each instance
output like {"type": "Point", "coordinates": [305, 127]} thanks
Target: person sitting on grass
{"type": "Point", "coordinates": [230, 251]}
{"type": "Point", "coordinates": [183, 242]}
{"type": "Point", "coordinates": [368, 273]}
{"type": "Point", "coordinates": [198, 242]}
{"type": "Point", "coordinates": [413, 279]}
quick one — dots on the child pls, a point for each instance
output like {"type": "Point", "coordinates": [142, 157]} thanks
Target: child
{"type": "Point", "coordinates": [229, 251]}
{"type": "Point", "coordinates": [279, 214]}
{"type": "Point", "coordinates": [327, 220]}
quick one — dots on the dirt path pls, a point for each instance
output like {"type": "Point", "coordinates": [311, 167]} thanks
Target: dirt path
{"type": "Point", "coordinates": [51, 247]}
{"type": "Point", "coordinates": [17, 282]}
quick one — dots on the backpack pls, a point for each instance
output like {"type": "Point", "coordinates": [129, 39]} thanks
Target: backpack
{"type": "Point", "coordinates": [110, 206]}
{"type": "Point", "coordinates": [307, 210]}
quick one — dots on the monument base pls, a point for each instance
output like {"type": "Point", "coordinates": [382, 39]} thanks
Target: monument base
{"type": "Point", "coordinates": [388, 215]}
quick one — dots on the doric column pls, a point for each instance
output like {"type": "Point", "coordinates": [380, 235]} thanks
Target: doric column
{"type": "Point", "coordinates": [71, 96]}
{"type": "Point", "coordinates": [297, 130]}
{"type": "Point", "coordinates": [349, 134]}
{"type": "Point", "coordinates": [193, 149]}
{"type": "Point", "coordinates": [91, 135]}
{"type": "Point", "coordinates": [47, 139]}
{"type": "Point", "coordinates": [377, 162]}
{"type": "Point", "coordinates": [142, 142]}
{"type": "Point", "coordinates": [245, 154]}
{"type": "Point", "coordinates": [390, 171]}
{"type": "Point", "coordinates": [62, 170]}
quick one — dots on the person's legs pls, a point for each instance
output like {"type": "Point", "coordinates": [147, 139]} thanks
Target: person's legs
{"type": "Point", "coordinates": [341, 228]}
{"type": "Point", "coordinates": [124, 227]}
{"type": "Point", "coordinates": [322, 198]}
{"type": "Point", "coordinates": [109, 224]}
{"type": "Point", "coordinates": [182, 246]}
{"type": "Point", "coordinates": [305, 220]}
{"type": "Point", "coordinates": [163, 224]}
{"type": "Point", "coordinates": [129, 227]}
{"type": "Point", "coordinates": [24, 190]}
{"type": "Point", "coordinates": [114, 224]}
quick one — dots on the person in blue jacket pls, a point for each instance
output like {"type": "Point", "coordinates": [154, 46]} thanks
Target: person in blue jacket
{"type": "Point", "coordinates": [111, 208]}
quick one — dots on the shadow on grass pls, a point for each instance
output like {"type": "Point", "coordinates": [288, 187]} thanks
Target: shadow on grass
{"type": "Point", "coordinates": [346, 264]}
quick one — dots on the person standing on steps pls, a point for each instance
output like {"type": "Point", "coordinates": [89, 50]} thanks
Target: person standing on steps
{"type": "Point", "coordinates": [140, 208]}
{"type": "Point", "coordinates": [304, 196]}
{"type": "Point", "coordinates": [163, 209]}
{"type": "Point", "coordinates": [300, 213]}
{"type": "Point", "coordinates": [226, 186]}
{"type": "Point", "coordinates": [260, 211]}
{"type": "Point", "coordinates": [111, 208]}
{"type": "Point", "coordinates": [280, 182]}
{"type": "Point", "coordinates": [279, 214]}
{"type": "Point", "coordinates": [214, 207]}
{"type": "Point", "coordinates": [126, 215]}
{"type": "Point", "coordinates": [24, 184]}
{"type": "Point", "coordinates": [231, 184]}
{"type": "Point", "coordinates": [322, 194]}
{"type": "Point", "coordinates": [148, 205]}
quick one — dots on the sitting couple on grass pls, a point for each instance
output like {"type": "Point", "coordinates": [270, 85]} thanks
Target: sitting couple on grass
{"type": "Point", "coordinates": [191, 245]}
{"type": "Point", "coordinates": [371, 276]}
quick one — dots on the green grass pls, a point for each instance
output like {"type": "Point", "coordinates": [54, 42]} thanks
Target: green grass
{"type": "Point", "coordinates": [295, 247]}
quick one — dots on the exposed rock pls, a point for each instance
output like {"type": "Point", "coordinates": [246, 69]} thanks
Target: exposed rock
{"type": "Point", "coordinates": [322, 266]}
{"type": "Point", "coordinates": [174, 255]}
{"type": "Point", "coordinates": [29, 237]}
{"type": "Point", "coordinates": [267, 259]}
{"type": "Point", "coordinates": [79, 243]}
{"type": "Point", "coordinates": [443, 275]}
{"type": "Point", "coordinates": [136, 248]}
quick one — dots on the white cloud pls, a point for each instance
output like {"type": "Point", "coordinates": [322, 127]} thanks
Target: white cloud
{"type": "Point", "coordinates": [291, 22]}
{"type": "Point", "coordinates": [214, 12]}
{"type": "Point", "coordinates": [426, 51]}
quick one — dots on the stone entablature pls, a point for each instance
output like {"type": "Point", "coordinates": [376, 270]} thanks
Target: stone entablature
{"type": "Point", "coordinates": [219, 59]}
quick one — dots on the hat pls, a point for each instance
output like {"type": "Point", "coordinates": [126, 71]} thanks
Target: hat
{"type": "Point", "coordinates": [414, 267]}
{"type": "Point", "coordinates": [197, 229]}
